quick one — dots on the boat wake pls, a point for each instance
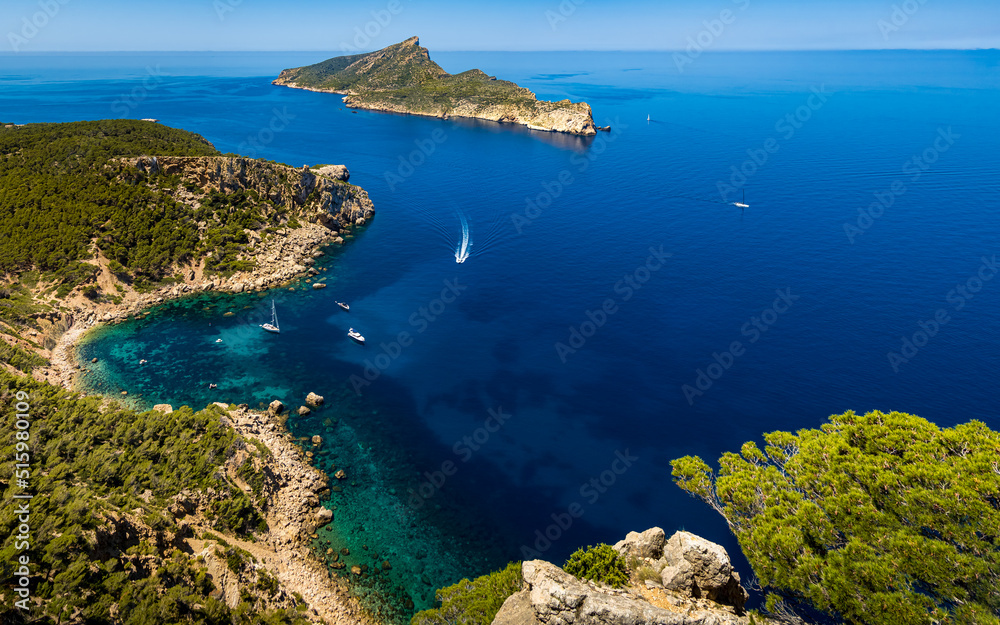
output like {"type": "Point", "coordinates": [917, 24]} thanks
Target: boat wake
{"type": "Point", "coordinates": [488, 235]}
{"type": "Point", "coordinates": [463, 250]}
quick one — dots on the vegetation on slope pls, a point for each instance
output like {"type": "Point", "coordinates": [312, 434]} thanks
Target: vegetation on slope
{"type": "Point", "coordinates": [66, 193]}
{"type": "Point", "coordinates": [473, 603]}
{"type": "Point", "coordinates": [56, 193]}
{"type": "Point", "coordinates": [404, 76]}
{"type": "Point", "coordinates": [102, 546]}
{"type": "Point", "coordinates": [600, 563]}
{"type": "Point", "coordinates": [880, 518]}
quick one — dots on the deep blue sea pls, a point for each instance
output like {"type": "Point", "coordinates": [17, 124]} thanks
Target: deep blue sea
{"type": "Point", "coordinates": [548, 371]}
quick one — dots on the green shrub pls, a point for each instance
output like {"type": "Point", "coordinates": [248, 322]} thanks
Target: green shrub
{"type": "Point", "coordinates": [473, 603]}
{"type": "Point", "coordinates": [601, 564]}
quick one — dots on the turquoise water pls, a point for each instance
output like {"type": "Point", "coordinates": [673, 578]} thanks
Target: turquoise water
{"type": "Point", "coordinates": [562, 317]}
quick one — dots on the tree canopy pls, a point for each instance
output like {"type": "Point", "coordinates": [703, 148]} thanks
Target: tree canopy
{"type": "Point", "coordinates": [875, 518]}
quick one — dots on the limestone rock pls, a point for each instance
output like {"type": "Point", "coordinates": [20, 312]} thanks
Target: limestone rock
{"type": "Point", "coordinates": [337, 172]}
{"type": "Point", "coordinates": [303, 411]}
{"type": "Point", "coordinates": [517, 610]}
{"type": "Point", "coordinates": [558, 598]}
{"type": "Point", "coordinates": [702, 569]}
{"type": "Point", "coordinates": [314, 400]}
{"type": "Point", "coordinates": [319, 285]}
{"type": "Point", "coordinates": [164, 408]}
{"type": "Point", "coordinates": [276, 407]}
{"type": "Point", "coordinates": [648, 544]}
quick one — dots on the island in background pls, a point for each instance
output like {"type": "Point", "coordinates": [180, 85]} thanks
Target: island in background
{"type": "Point", "coordinates": [402, 78]}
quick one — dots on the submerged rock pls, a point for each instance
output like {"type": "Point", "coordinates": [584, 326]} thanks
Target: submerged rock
{"type": "Point", "coordinates": [314, 400]}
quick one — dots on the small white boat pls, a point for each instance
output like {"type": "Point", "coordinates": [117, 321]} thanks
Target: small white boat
{"type": "Point", "coordinates": [143, 361]}
{"type": "Point", "coordinates": [344, 306]}
{"type": "Point", "coordinates": [648, 119]}
{"type": "Point", "coordinates": [354, 334]}
{"type": "Point", "coordinates": [218, 340]}
{"type": "Point", "coordinates": [269, 327]}
{"type": "Point", "coordinates": [742, 204]}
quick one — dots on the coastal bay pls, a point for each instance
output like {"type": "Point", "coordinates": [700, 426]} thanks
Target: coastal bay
{"type": "Point", "coordinates": [622, 391]}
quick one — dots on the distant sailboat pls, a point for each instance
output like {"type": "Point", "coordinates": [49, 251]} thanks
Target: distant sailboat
{"type": "Point", "coordinates": [647, 118]}
{"type": "Point", "coordinates": [273, 326]}
{"type": "Point", "coordinates": [742, 204]}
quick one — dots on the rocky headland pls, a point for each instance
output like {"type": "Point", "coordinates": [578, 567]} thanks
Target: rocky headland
{"type": "Point", "coordinates": [402, 78]}
{"type": "Point", "coordinates": [317, 207]}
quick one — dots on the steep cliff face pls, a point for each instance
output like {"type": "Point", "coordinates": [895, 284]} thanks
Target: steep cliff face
{"type": "Point", "coordinates": [320, 196]}
{"type": "Point", "coordinates": [402, 78]}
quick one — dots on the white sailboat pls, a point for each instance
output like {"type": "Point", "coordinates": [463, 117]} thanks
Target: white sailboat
{"type": "Point", "coordinates": [742, 204]}
{"type": "Point", "coordinates": [273, 326]}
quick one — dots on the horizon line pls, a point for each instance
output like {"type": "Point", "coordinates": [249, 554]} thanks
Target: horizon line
{"type": "Point", "coordinates": [663, 50]}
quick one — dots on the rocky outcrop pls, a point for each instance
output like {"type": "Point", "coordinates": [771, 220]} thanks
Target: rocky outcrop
{"type": "Point", "coordinates": [648, 544]}
{"type": "Point", "coordinates": [554, 597]}
{"type": "Point", "coordinates": [688, 564]}
{"type": "Point", "coordinates": [337, 172]}
{"type": "Point", "coordinates": [701, 568]}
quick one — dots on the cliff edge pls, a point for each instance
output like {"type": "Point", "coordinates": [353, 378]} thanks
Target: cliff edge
{"type": "Point", "coordinates": [402, 78]}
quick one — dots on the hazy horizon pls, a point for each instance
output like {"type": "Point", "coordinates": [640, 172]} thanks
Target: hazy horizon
{"type": "Point", "coordinates": [519, 26]}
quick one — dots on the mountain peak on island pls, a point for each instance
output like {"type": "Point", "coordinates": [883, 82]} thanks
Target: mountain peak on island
{"type": "Point", "coordinates": [402, 78]}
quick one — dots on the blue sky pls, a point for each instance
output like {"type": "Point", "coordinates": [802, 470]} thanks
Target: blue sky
{"type": "Point", "coordinates": [99, 25]}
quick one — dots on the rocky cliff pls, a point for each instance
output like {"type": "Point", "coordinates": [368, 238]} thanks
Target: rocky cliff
{"type": "Point", "coordinates": [322, 195]}
{"type": "Point", "coordinates": [403, 79]}
{"type": "Point", "coordinates": [684, 581]}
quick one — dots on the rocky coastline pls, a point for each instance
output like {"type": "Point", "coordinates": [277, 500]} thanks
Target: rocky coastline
{"type": "Point", "coordinates": [564, 116]}
{"type": "Point", "coordinates": [293, 512]}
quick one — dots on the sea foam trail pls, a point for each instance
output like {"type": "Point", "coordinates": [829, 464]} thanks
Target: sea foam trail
{"type": "Point", "coordinates": [462, 252]}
